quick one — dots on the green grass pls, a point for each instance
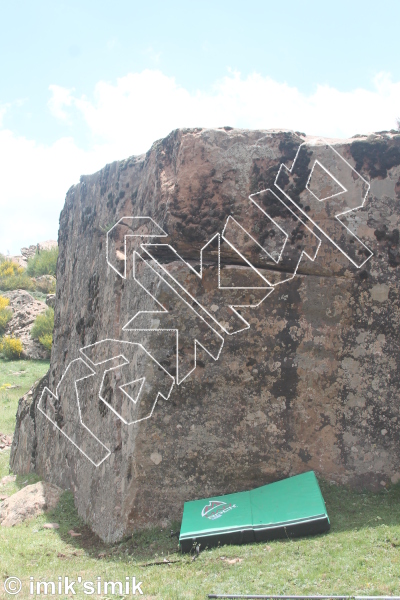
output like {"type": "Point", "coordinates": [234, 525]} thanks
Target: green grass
{"type": "Point", "coordinates": [360, 555]}
{"type": "Point", "coordinates": [39, 296]}
{"type": "Point", "coordinates": [21, 374]}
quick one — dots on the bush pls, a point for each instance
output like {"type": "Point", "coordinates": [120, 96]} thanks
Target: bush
{"type": "Point", "coordinates": [43, 263]}
{"type": "Point", "coordinates": [42, 329]}
{"type": "Point", "coordinates": [4, 302]}
{"type": "Point", "coordinates": [5, 313]}
{"type": "Point", "coordinates": [13, 277]}
{"type": "Point", "coordinates": [8, 267]}
{"type": "Point", "coordinates": [46, 340]}
{"type": "Point", "coordinates": [11, 347]}
{"type": "Point", "coordinates": [5, 317]}
{"type": "Point", "coordinates": [16, 282]}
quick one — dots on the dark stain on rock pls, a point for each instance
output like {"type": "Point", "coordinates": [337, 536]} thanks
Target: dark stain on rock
{"type": "Point", "coordinates": [304, 455]}
{"type": "Point", "coordinates": [376, 157]}
{"type": "Point", "coordinates": [286, 384]}
{"type": "Point", "coordinates": [391, 240]}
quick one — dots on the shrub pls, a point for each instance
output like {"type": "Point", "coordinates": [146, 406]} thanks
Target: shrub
{"type": "Point", "coordinates": [5, 313]}
{"type": "Point", "coordinates": [20, 281]}
{"type": "Point", "coordinates": [43, 263]}
{"type": "Point", "coordinates": [8, 267]}
{"type": "Point", "coordinates": [42, 329]}
{"type": "Point", "coordinates": [46, 340]}
{"type": "Point", "coordinates": [4, 302]}
{"type": "Point", "coordinates": [13, 277]}
{"type": "Point", "coordinates": [5, 317]}
{"type": "Point", "coordinates": [11, 347]}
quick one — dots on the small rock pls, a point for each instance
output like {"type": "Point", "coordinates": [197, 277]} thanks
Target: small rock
{"type": "Point", "coordinates": [51, 526]}
{"type": "Point", "coordinates": [8, 479]}
{"type": "Point", "coordinates": [72, 533]}
{"type": "Point", "coordinates": [231, 561]}
{"type": "Point", "coordinates": [5, 440]}
{"type": "Point", "coordinates": [395, 478]}
{"type": "Point", "coordinates": [31, 501]}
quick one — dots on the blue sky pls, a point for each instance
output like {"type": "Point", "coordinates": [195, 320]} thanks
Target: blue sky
{"type": "Point", "coordinates": [84, 83]}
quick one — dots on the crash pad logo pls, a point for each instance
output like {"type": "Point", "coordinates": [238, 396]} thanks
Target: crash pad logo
{"type": "Point", "coordinates": [215, 509]}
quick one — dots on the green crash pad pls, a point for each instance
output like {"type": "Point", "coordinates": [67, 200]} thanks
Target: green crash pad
{"type": "Point", "coordinates": [290, 507]}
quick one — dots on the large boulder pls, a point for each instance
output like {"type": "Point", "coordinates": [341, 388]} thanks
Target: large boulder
{"type": "Point", "coordinates": [306, 379]}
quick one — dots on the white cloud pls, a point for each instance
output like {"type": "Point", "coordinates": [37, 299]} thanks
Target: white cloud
{"type": "Point", "coordinates": [34, 181]}
{"type": "Point", "coordinates": [61, 97]}
{"type": "Point", "coordinates": [126, 117]}
{"type": "Point", "coordinates": [142, 107]}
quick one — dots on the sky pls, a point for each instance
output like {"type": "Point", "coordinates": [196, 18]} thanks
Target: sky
{"type": "Point", "coordinates": [84, 83]}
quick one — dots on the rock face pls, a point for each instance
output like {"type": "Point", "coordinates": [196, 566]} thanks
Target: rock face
{"type": "Point", "coordinates": [25, 310]}
{"type": "Point", "coordinates": [29, 502]}
{"type": "Point", "coordinates": [307, 378]}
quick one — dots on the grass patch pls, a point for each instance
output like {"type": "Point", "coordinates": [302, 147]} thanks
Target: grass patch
{"type": "Point", "coordinates": [21, 375]}
{"type": "Point", "coordinates": [41, 296]}
{"type": "Point", "coordinates": [360, 555]}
